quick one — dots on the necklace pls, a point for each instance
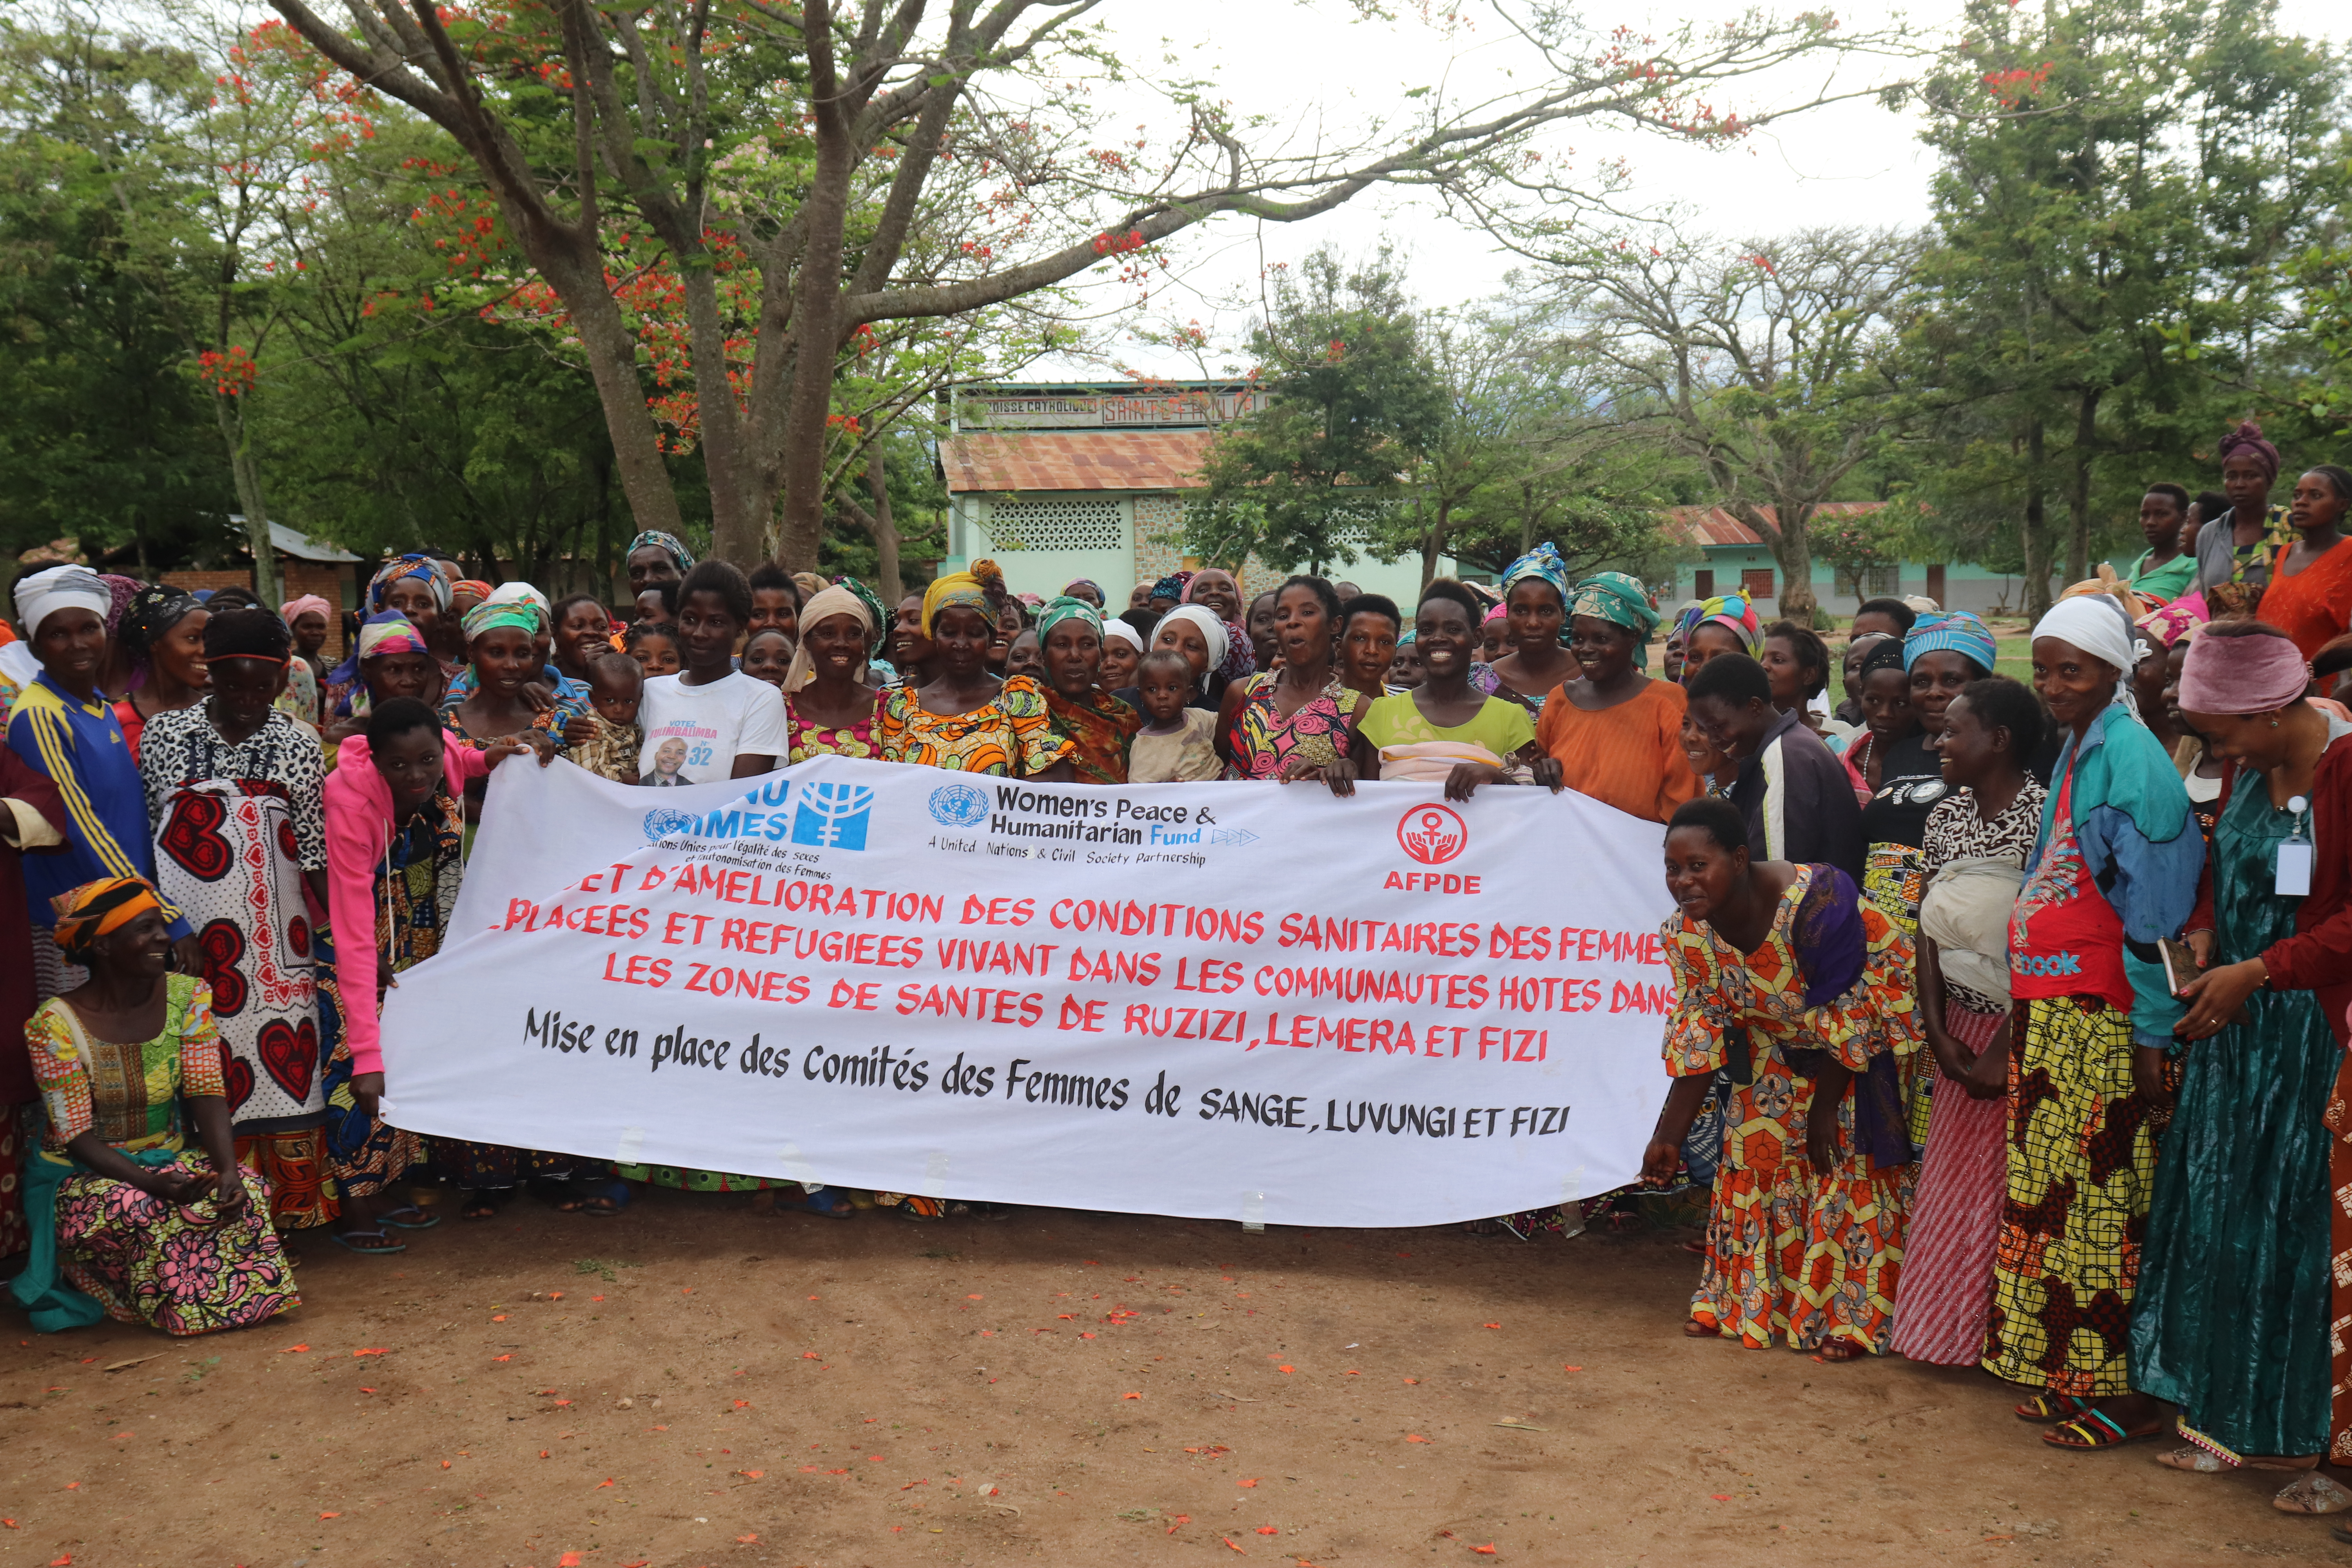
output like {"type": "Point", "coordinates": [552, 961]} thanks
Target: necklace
{"type": "Point", "coordinates": [1861, 762]}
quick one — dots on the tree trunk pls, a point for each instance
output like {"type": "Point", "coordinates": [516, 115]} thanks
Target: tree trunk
{"type": "Point", "coordinates": [2036, 531]}
{"type": "Point", "coordinates": [612, 354]}
{"type": "Point", "coordinates": [1793, 553]}
{"type": "Point", "coordinates": [266, 584]}
{"type": "Point", "coordinates": [883, 530]}
{"type": "Point", "coordinates": [2078, 503]}
{"type": "Point", "coordinates": [1433, 543]}
{"type": "Point", "coordinates": [816, 310]}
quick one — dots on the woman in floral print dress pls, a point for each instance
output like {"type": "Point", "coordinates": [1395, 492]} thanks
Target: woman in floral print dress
{"type": "Point", "coordinates": [1786, 977]}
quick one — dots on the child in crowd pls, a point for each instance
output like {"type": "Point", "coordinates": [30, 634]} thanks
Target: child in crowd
{"type": "Point", "coordinates": [1023, 657]}
{"type": "Point", "coordinates": [767, 655]}
{"type": "Point", "coordinates": [654, 645]}
{"type": "Point", "coordinates": [615, 685]}
{"type": "Point", "coordinates": [1177, 742]}
{"type": "Point", "coordinates": [1406, 670]}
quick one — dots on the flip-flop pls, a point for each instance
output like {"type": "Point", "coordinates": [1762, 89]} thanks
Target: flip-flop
{"type": "Point", "coordinates": [343, 1239]}
{"type": "Point", "coordinates": [2195, 1460]}
{"type": "Point", "coordinates": [422, 1222]}
{"type": "Point", "coordinates": [2097, 1429]}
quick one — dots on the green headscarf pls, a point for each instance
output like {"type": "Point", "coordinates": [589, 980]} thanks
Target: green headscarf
{"type": "Point", "coordinates": [489, 615]}
{"type": "Point", "coordinates": [1620, 600]}
{"type": "Point", "coordinates": [1066, 608]}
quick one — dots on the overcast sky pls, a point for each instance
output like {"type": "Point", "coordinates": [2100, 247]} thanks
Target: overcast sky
{"type": "Point", "coordinates": [1852, 163]}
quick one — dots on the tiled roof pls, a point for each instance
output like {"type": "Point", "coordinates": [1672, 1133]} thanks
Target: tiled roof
{"type": "Point", "coordinates": [1715, 527]}
{"type": "Point", "coordinates": [1075, 460]}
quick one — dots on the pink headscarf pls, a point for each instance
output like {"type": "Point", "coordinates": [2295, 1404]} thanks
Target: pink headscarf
{"type": "Point", "coordinates": [293, 608]}
{"type": "Point", "coordinates": [2240, 675]}
{"type": "Point", "coordinates": [2168, 623]}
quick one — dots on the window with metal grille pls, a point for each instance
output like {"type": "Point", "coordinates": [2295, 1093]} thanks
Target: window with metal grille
{"type": "Point", "coordinates": [1057, 525]}
{"type": "Point", "coordinates": [1756, 583]}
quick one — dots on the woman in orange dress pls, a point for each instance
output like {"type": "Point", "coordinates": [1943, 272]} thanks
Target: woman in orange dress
{"type": "Point", "coordinates": [2310, 592]}
{"type": "Point", "coordinates": [1617, 732]}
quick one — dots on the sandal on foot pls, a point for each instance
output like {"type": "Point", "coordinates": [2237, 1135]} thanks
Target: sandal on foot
{"type": "Point", "coordinates": [1840, 1350]}
{"type": "Point", "coordinates": [373, 1242]}
{"type": "Point", "coordinates": [409, 1218]}
{"type": "Point", "coordinates": [2097, 1429]}
{"type": "Point", "coordinates": [2195, 1460]}
{"type": "Point", "coordinates": [2045, 1409]}
{"type": "Point", "coordinates": [1699, 1330]}
{"type": "Point", "coordinates": [826, 1204]}
{"type": "Point", "coordinates": [482, 1205]}
{"type": "Point", "coordinates": [2313, 1493]}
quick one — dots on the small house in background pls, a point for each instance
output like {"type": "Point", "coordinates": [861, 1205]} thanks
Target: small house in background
{"type": "Point", "coordinates": [304, 566]}
{"type": "Point", "coordinates": [1062, 481]}
{"type": "Point", "coordinates": [1732, 559]}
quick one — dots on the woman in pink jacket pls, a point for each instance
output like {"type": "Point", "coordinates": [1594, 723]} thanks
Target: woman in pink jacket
{"type": "Point", "coordinates": [394, 827]}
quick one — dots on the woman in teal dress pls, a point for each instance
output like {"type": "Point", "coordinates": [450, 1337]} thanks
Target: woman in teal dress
{"type": "Point", "coordinates": [2232, 1320]}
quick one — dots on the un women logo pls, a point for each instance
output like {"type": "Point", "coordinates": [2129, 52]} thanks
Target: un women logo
{"type": "Point", "coordinates": [958, 806]}
{"type": "Point", "coordinates": [663, 821]}
{"type": "Point", "coordinates": [832, 816]}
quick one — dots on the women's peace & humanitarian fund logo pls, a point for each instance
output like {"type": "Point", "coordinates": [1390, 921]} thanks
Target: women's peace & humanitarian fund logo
{"type": "Point", "coordinates": [958, 806]}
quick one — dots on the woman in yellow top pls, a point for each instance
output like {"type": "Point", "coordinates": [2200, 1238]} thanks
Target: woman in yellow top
{"type": "Point", "coordinates": [966, 719]}
{"type": "Point", "coordinates": [1445, 729]}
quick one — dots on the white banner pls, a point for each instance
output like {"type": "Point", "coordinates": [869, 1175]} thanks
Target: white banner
{"type": "Point", "coordinates": [1225, 1001]}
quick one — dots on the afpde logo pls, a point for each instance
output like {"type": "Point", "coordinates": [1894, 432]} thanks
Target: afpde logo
{"type": "Point", "coordinates": [958, 806]}
{"type": "Point", "coordinates": [1433, 834]}
{"type": "Point", "coordinates": [832, 816]}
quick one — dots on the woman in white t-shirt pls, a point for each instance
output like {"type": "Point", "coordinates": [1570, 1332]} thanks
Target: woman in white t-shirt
{"type": "Point", "coordinates": [710, 721]}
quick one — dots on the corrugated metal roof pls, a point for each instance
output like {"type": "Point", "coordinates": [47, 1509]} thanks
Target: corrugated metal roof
{"type": "Point", "coordinates": [1076, 460]}
{"type": "Point", "coordinates": [1714, 527]}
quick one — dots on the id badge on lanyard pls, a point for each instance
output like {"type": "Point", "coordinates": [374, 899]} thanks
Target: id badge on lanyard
{"type": "Point", "coordinates": [2296, 854]}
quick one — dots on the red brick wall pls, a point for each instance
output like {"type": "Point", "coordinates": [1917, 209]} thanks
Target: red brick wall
{"type": "Point", "coordinates": [301, 577]}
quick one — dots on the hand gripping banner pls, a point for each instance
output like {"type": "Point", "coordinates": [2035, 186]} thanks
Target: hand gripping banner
{"type": "Point", "coordinates": [1249, 1002]}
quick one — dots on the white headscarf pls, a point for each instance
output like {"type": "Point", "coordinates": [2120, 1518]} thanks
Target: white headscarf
{"type": "Point", "coordinates": [43, 594]}
{"type": "Point", "coordinates": [823, 606]}
{"type": "Point", "coordinates": [523, 592]}
{"type": "Point", "coordinates": [1212, 632]}
{"type": "Point", "coordinates": [1115, 627]}
{"type": "Point", "coordinates": [2102, 627]}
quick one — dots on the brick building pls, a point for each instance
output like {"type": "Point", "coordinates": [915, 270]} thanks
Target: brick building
{"type": "Point", "coordinates": [304, 566]}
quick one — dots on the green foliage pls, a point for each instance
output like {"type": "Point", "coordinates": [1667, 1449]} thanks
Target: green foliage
{"type": "Point", "coordinates": [1352, 407]}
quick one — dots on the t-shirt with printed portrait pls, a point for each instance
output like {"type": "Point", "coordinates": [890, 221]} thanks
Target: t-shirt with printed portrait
{"type": "Point", "coordinates": [694, 733]}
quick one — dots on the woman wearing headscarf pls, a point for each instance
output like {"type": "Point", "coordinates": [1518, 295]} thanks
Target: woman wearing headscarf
{"type": "Point", "coordinates": [654, 557]}
{"type": "Point", "coordinates": [1122, 650]}
{"type": "Point", "coordinates": [63, 727]}
{"type": "Point", "coordinates": [233, 788]}
{"type": "Point", "coordinates": [1535, 608]}
{"type": "Point", "coordinates": [1085, 588]}
{"type": "Point", "coordinates": [1616, 731]}
{"type": "Point", "coordinates": [1786, 978]}
{"type": "Point", "coordinates": [2310, 594]}
{"type": "Point", "coordinates": [114, 675]}
{"type": "Point", "coordinates": [389, 659]}
{"type": "Point", "coordinates": [2234, 552]}
{"type": "Point", "coordinates": [129, 1221]}
{"type": "Point", "coordinates": [162, 632]}
{"type": "Point", "coordinates": [1099, 727]}
{"type": "Point", "coordinates": [1194, 631]}
{"type": "Point", "coordinates": [501, 641]}
{"type": "Point", "coordinates": [1723, 623]}
{"type": "Point", "coordinates": [1975, 846]}
{"type": "Point", "coordinates": [2233, 1320]}
{"type": "Point", "coordinates": [307, 620]}
{"type": "Point", "coordinates": [828, 705]}
{"type": "Point", "coordinates": [2113, 872]}
{"type": "Point", "coordinates": [416, 586]}
{"type": "Point", "coordinates": [966, 719]}
{"type": "Point", "coordinates": [1169, 591]}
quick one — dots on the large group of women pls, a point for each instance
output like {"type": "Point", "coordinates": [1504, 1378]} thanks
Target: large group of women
{"type": "Point", "coordinates": [2008, 1018]}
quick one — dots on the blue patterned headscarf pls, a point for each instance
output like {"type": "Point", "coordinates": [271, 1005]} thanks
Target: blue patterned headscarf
{"type": "Point", "coordinates": [669, 543]}
{"type": "Point", "coordinates": [1954, 629]}
{"type": "Point", "coordinates": [417, 565]}
{"type": "Point", "coordinates": [1542, 562]}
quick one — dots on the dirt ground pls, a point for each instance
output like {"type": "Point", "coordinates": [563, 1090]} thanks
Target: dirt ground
{"type": "Point", "coordinates": [695, 1383]}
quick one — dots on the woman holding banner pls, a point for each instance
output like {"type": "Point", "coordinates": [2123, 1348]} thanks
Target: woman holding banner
{"type": "Point", "coordinates": [1798, 986]}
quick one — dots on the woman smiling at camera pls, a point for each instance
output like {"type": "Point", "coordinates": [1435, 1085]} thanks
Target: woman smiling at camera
{"type": "Point", "coordinates": [143, 1228]}
{"type": "Point", "coordinates": [965, 717]}
{"type": "Point", "coordinates": [1616, 731]}
{"type": "Point", "coordinates": [1445, 730]}
{"type": "Point", "coordinates": [1099, 726]}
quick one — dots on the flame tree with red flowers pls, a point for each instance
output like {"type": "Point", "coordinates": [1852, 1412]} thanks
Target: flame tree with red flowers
{"type": "Point", "coordinates": [585, 122]}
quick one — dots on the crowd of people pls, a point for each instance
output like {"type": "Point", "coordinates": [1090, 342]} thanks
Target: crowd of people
{"type": "Point", "coordinates": [2008, 1018]}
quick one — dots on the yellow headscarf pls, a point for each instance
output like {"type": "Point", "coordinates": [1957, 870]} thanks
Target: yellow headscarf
{"type": "Point", "coordinates": [981, 588]}
{"type": "Point", "coordinates": [823, 605]}
{"type": "Point", "coordinates": [91, 910]}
